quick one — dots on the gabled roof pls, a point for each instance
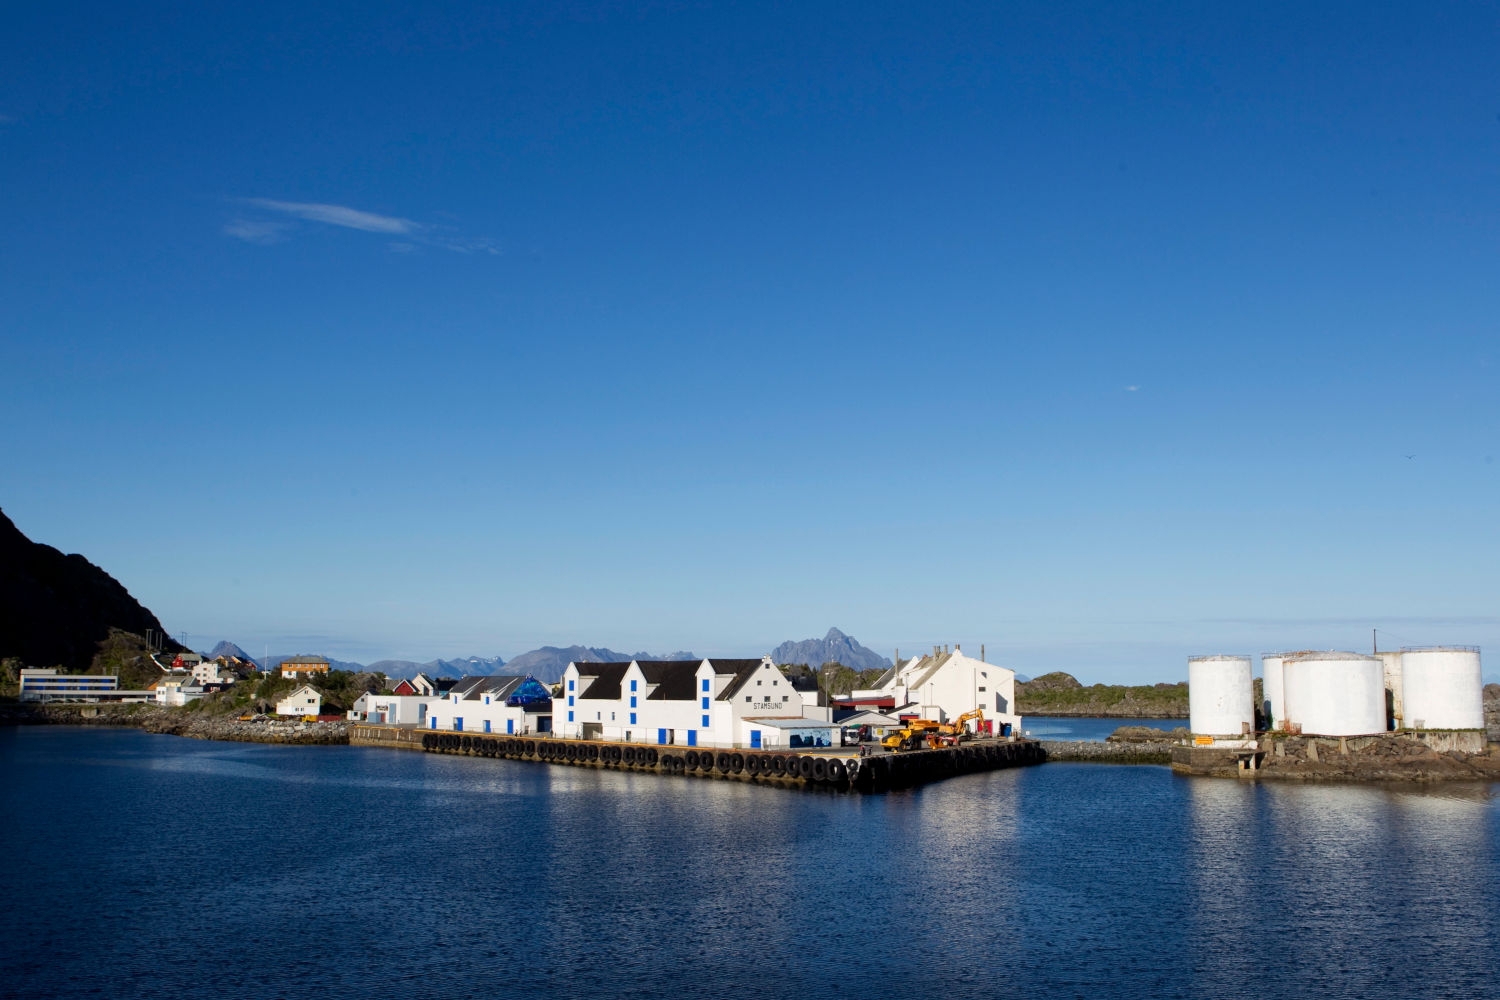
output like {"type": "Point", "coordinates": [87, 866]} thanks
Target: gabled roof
{"type": "Point", "coordinates": [675, 680]}
{"type": "Point", "coordinates": [497, 686]}
{"type": "Point", "coordinates": [606, 685]}
{"type": "Point", "coordinates": [744, 669]}
{"type": "Point", "coordinates": [734, 666]}
{"type": "Point", "coordinates": [590, 669]}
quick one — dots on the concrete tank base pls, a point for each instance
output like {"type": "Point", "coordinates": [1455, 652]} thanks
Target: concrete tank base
{"type": "Point", "coordinates": [1431, 755]}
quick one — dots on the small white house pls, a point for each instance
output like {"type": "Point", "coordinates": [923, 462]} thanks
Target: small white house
{"type": "Point", "coordinates": [390, 709]}
{"type": "Point", "coordinates": [177, 689]}
{"type": "Point", "coordinates": [790, 733]}
{"type": "Point", "coordinates": [304, 701]}
{"type": "Point", "coordinates": [943, 687]}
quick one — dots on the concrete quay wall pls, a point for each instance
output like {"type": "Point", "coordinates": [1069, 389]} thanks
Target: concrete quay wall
{"type": "Point", "coordinates": [790, 768]}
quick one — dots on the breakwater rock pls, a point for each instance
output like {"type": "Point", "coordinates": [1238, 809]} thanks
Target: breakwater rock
{"type": "Point", "coordinates": [1458, 756]}
{"type": "Point", "coordinates": [179, 722]}
{"type": "Point", "coordinates": [1107, 753]}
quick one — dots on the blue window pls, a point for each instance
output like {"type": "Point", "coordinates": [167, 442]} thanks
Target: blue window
{"type": "Point", "coordinates": [632, 718]}
{"type": "Point", "coordinates": [570, 716]}
{"type": "Point", "coordinates": [632, 685]}
{"type": "Point", "coordinates": [486, 725]}
{"type": "Point", "coordinates": [486, 699]}
{"type": "Point", "coordinates": [510, 725]}
{"type": "Point", "coordinates": [661, 737]}
{"type": "Point", "coordinates": [433, 720]}
{"type": "Point", "coordinates": [570, 699]}
{"type": "Point", "coordinates": [570, 683]}
{"type": "Point", "coordinates": [632, 701]}
{"type": "Point", "coordinates": [705, 722]}
{"type": "Point", "coordinates": [692, 737]}
{"type": "Point", "coordinates": [705, 704]}
{"type": "Point", "coordinates": [705, 683]}
{"type": "Point", "coordinates": [458, 725]}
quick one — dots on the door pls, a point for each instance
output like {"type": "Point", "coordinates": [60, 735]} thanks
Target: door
{"type": "Point", "coordinates": [510, 726]}
{"type": "Point", "coordinates": [692, 737]}
{"type": "Point", "coordinates": [661, 737]}
{"type": "Point", "coordinates": [755, 739]}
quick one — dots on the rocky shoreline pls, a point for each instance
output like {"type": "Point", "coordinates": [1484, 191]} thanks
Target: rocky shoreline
{"type": "Point", "coordinates": [1094, 752]}
{"type": "Point", "coordinates": [175, 722]}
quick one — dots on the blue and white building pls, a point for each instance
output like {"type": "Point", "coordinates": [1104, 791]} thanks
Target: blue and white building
{"type": "Point", "coordinates": [46, 684]}
{"type": "Point", "coordinates": [679, 702]}
{"type": "Point", "coordinates": [499, 704]}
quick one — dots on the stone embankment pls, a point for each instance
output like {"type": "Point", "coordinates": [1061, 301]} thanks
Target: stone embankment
{"type": "Point", "coordinates": [179, 722]}
{"type": "Point", "coordinates": [1157, 752]}
{"type": "Point", "coordinates": [1392, 757]}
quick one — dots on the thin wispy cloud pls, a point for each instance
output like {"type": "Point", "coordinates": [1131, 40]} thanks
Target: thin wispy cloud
{"type": "Point", "coordinates": [1132, 388]}
{"type": "Point", "coordinates": [337, 215]}
{"type": "Point", "coordinates": [276, 221]}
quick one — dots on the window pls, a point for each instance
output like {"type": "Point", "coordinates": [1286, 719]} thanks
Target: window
{"type": "Point", "coordinates": [786, 697]}
{"type": "Point", "coordinates": [705, 683]}
{"type": "Point", "coordinates": [570, 700]}
{"type": "Point", "coordinates": [705, 722]}
{"type": "Point", "coordinates": [458, 725]}
{"type": "Point", "coordinates": [773, 683]}
{"type": "Point", "coordinates": [632, 701]}
{"type": "Point", "coordinates": [570, 683]}
{"type": "Point", "coordinates": [747, 699]}
{"type": "Point", "coordinates": [570, 716]}
{"type": "Point", "coordinates": [632, 685]}
{"type": "Point", "coordinates": [705, 704]}
{"type": "Point", "coordinates": [487, 697]}
{"type": "Point", "coordinates": [632, 722]}
{"type": "Point", "coordinates": [758, 682]}
{"type": "Point", "coordinates": [486, 725]}
{"type": "Point", "coordinates": [981, 689]}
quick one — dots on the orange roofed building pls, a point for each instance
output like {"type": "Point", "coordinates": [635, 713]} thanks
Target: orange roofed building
{"type": "Point", "coordinates": [304, 666]}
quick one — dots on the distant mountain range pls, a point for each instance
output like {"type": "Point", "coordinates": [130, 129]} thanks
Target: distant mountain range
{"type": "Point", "coordinates": [548, 663]}
{"type": "Point", "coordinates": [835, 647]}
{"type": "Point", "coordinates": [55, 609]}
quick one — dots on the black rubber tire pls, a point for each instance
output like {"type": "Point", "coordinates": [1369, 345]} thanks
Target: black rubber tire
{"type": "Point", "coordinates": [837, 772]}
{"type": "Point", "coordinates": [778, 765]}
{"type": "Point", "coordinates": [805, 767]}
{"type": "Point", "coordinates": [678, 764]}
{"type": "Point", "coordinates": [572, 752]}
{"type": "Point", "coordinates": [652, 757]}
{"type": "Point", "coordinates": [692, 759]}
{"type": "Point", "coordinates": [736, 762]}
{"type": "Point", "coordinates": [752, 764]}
{"type": "Point", "coordinates": [426, 741]}
{"type": "Point", "coordinates": [627, 755]}
{"type": "Point", "coordinates": [706, 761]}
{"type": "Point", "coordinates": [530, 747]}
{"type": "Point", "coordinates": [722, 762]}
{"type": "Point", "coordinates": [819, 769]}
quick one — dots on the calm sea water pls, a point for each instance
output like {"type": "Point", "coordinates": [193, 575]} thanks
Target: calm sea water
{"type": "Point", "coordinates": [140, 865]}
{"type": "Point", "coordinates": [1043, 727]}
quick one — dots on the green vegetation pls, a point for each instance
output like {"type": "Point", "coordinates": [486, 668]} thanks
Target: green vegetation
{"type": "Point", "coordinates": [10, 678]}
{"type": "Point", "coordinates": [1060, 694]}
{"type": "Point", "coordinates": [834, 679]}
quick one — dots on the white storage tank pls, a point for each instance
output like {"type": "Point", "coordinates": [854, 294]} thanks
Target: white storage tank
{"type": "Point", "coordinates": [1391, 661]}
{"type": "Point", "coordinates": [1441, 687]}
{"type": "Point", "coordinates": [1272, 689]}
{"type": "Point", "coordinates": [1334, 694]}
{"type": "Point", "coordinates": [1220, 702]}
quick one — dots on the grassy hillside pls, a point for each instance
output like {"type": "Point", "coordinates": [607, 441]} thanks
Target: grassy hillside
{"type": "Point", "coordinates": [1061, 694]}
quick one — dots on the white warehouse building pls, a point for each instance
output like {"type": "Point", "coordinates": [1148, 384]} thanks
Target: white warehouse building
{"type": "Point", "coordinates": [685, 703]}
{"type": "Point", "coordinates": [497, 704]}
{"type": "Point", "coordinates": [942, 687]}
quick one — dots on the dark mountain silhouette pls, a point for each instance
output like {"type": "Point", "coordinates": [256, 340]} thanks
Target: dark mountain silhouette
{"type": "Point", "coordinates": [55, 609]}
{"type": "Point", "coordinates": [835, 647]}
{"type": "Point", "coordinates": [225, 648]}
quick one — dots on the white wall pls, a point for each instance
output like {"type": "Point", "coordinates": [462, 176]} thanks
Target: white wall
{"type": "Point", "coordinates": [444, 713]}
{"type": "Point", "coordinates": [303, 701]}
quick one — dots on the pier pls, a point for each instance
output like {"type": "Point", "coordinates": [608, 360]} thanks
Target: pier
{"type": "Point", "coordinates": [837, 769]}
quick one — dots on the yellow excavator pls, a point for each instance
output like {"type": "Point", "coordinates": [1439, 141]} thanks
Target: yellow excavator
{"type": "Point", "coordinates": [913, 736]}
{"type": "Point", "coordinates": [950, 733]}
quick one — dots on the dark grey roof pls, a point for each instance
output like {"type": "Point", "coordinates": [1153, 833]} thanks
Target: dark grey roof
{"type": "Point", "coordinates": [475, 688]}
{"type": "Point", "coordinates": [606, 683]}
{"type": "Point", "coordinates": [594, 669]}
{"type": "Point", "coordinates": [742, 674]}
{"type": "Point", "coordinates": [734, 666]}
{"type": "Point", "coordinates": [675, 680]}
{"type": "Point", "coordinates": [804, 682]}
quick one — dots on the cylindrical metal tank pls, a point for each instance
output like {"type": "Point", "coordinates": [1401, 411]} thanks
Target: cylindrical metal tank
{"type": "Point", "coordinates": [1273, 698]}
{"type": "Point", "coordinates": [1391, 661]}
{"type": "Point", "coordinates": [1220, 702]}
{"type": "Point", "coordinates": [1441, 687]}
{"type": "Point", "coordinates": [1334, 694]}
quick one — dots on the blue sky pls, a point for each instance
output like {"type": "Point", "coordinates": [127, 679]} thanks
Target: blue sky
{"type": "Point", "coordinates": [1101, 337]}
